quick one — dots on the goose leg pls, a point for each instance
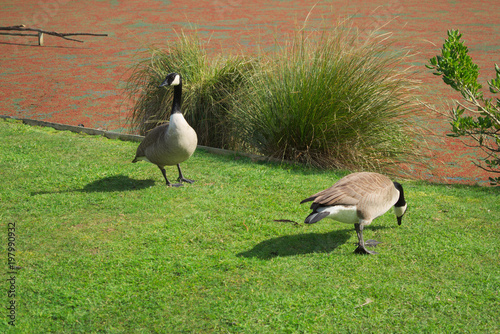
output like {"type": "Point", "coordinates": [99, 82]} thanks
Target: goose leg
{"type": "Point", "coordinates": [169, 184]}
{"type": "Point", "coordinates": [361, 244]}
{"type": "Point", "coordinates": [181, 177]}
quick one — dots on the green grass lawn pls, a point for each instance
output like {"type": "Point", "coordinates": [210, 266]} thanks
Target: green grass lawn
{"type": "Point", "coordinates": [105, 247]}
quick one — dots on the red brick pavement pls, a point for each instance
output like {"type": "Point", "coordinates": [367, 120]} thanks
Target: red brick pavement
{"type": "Point", "coordinates": [76, 83]}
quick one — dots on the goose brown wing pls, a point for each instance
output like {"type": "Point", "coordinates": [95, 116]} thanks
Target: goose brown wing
{"type": "Point", "coordinates": [352, 189]}
{"type": "Point", "coordinates": [150, 139]}
{"type": "Point", "coordinates": [335, 195]}
{"type": "Point", "coordinates": [376, 188]}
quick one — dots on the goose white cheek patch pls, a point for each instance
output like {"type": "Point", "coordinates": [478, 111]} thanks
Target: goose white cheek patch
{"type": "Point", "coordinates": [176, 81]}
{"type": "Point", "coordinates": [400, 210]}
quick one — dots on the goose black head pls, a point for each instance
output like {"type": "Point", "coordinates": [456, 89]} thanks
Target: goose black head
{"type": "Point", "coordinates": [173, 79]}
{"type": "Point", "coordinates": [400, 206]}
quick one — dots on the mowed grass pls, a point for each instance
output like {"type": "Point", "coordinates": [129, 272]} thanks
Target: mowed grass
{"type": "Point", "coordinates": [105, 247]}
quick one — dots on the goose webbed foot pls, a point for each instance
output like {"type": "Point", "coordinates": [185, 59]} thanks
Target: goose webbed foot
{"type": "Point", "coordinates": [371, 243]}
{"type": "Point", "coordinates": [167, 182]}
{"type": "Point", "coordinates": [181, 177]}
{"type": "Point", "coordinates": [361, 244]}
{"type": "Point", "coordinates": [174, 184]}
{"type": "Point", "coordinates": [363, 250]}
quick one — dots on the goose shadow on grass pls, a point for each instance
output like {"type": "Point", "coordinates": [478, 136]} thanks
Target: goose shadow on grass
{"type": "Point", "coordinates": [306, 243]}
{"type": "Point", "coordinates": [290, 245]}
{"type": "Point", "coordinates": [107, 184]}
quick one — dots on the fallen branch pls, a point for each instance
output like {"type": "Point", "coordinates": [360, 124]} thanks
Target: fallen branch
{"type": "Point", "coordinates": [40, 32]}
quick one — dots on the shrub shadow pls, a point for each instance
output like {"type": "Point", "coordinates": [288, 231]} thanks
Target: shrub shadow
{"type": "Point", "coordinates": [107, 184]}
{"type": "Point", "coordinates": [294, 167]}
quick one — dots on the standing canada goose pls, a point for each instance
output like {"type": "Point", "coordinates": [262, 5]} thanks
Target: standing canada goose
{"type": "Point", "coordinates": [172, 143]}
{"type": "Point", "coordinates": [358, 198]}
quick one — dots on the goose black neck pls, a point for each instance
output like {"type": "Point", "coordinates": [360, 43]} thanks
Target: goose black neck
{"type": "Point", "coordinates": [401, 201]}
{"type": "Point", "coordinates": [176, 103]}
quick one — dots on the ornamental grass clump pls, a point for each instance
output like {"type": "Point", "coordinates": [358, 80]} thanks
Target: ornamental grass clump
{"type": "Point", "coordinates": [208, 86]}
{"type": "Point", "coordinates": [330, 99]}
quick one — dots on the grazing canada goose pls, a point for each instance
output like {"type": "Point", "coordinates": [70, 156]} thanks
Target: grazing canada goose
{"type": "Point", "coordinates": [172, 143]}
{"type": "Point", "coordinates": [358, 198]}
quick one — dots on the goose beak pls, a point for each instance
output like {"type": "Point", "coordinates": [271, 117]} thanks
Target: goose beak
{"type": "Point", "coordinates": [399, 220]}
{"type": "Point", "coordinates": [163, 84]}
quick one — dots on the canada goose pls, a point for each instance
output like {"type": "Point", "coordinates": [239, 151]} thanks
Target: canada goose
{"type": "Point", "coordinates": [172, 143]}
{"type": "Point", "coordinates": [358, 198]}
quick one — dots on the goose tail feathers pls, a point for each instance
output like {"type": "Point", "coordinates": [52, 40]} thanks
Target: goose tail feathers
{"type": "Point", "coordinates": [308, 199]}
{"type": "Point", "coordinates": [316, 217]}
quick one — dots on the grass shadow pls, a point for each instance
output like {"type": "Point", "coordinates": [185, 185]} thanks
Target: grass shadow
{"type": "Point", "coordinates": [107, 184]}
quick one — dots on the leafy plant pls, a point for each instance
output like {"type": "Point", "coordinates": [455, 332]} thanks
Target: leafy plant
{"type": "Point", "coordinates": [479, 117]}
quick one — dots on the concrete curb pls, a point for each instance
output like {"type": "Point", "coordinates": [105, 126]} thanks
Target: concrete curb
{"type": "Point", "coordinates": [127, 137]}
{"type": "Point", "coordinates": [77, 129]}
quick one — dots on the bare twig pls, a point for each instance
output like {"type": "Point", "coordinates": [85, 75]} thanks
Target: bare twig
{"type": "Point", "coordinates": [53, 33]}
{"type": "Point", "coordinates": [481, 109]}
